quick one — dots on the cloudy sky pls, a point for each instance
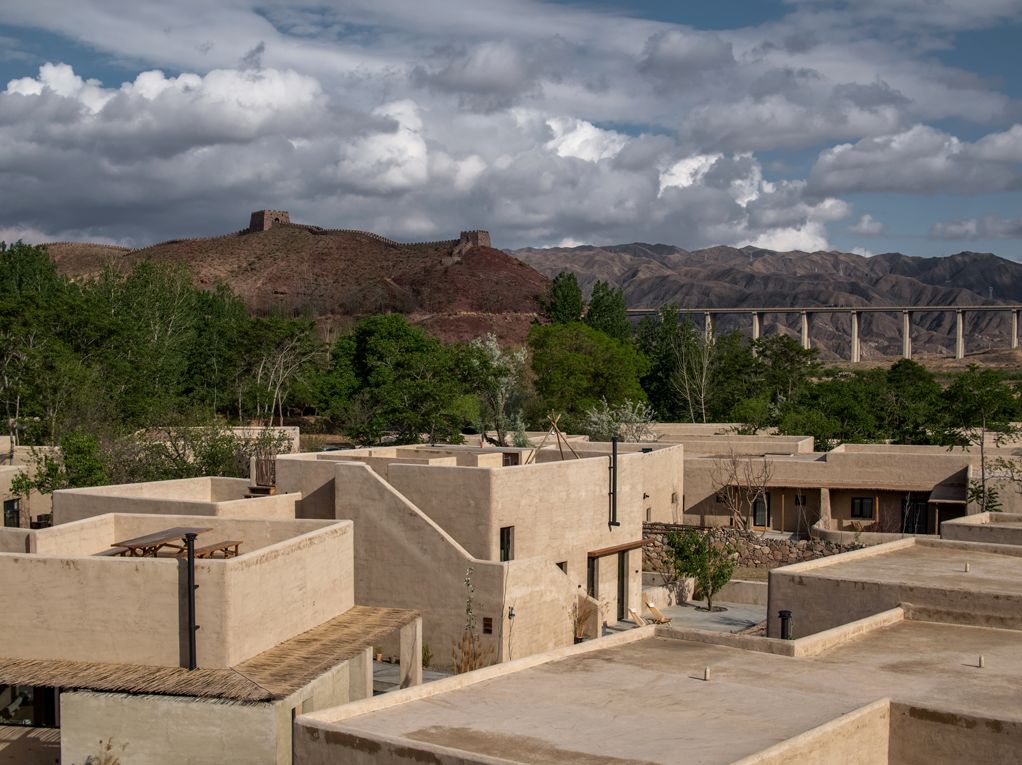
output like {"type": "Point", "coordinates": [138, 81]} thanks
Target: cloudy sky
{"type": "Point", "coordinates": [873, 125]}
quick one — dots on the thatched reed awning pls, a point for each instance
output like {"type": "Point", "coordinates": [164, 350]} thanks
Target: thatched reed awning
{"type": "Point", "coordinates": [273, 674]}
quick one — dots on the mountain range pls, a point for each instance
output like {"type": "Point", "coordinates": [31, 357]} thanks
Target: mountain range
{"type": "Point", "coordinates": [729, 277]}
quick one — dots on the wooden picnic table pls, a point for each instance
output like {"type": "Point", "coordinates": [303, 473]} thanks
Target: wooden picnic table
{"type": "Point", "coordinates": [149, 546]}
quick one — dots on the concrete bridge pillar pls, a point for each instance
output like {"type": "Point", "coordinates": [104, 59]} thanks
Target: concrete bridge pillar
{"type": "Point", "coordinates": [805, 330]}
{"type": "Point", "coordinates": [906, 334]}
{"type": "Point", "coordinates": [959, 334]}
{"type": "Point", "coordinates": [1014, 329]}
{"type": "Point", "coordinates": [856, 347]}
{"type": "Point", "coordinates": [708, 325]}
{"type": "Point", "coordinates": [757, 317]}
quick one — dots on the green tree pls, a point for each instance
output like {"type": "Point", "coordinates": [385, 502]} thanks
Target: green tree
{"type": "Point", "coordinates": [608, 313]}
{"type": "Point", "coordinates": [785, 365]}
{"type": "Point", "coordinates": [695, 554]}
{"type": "Point", "coordinates": [562, 303]}
{"type": "Point", "coordinates": [981, 407]}
{"type": "Point", "coordinates": [656, 337]}
{"type": "Point", "coordinates": [915, 410]}
{"type": "Point", "coordinates": [497, 376]}
{"type": "Point", "coordinates": [575, 366]}
{"type": "Point", "coordinates": [80, 462]}
{"type": "Point", "coordinates": [392, 378]}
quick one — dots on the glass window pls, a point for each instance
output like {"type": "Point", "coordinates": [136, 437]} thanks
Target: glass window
{"type": "Point", "coordinates": [12, 513]}
{"type": "Point", "coordinates": [862, 507]}
{"type": "Point", "coordinates": [507, 543]}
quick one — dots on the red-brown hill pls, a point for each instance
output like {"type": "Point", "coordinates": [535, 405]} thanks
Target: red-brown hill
{"type": "Point", "coordinates": [456, 291]}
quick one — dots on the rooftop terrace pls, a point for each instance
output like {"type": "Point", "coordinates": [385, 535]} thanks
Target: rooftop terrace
{"type": "Point", "coordinates": [646, 700]}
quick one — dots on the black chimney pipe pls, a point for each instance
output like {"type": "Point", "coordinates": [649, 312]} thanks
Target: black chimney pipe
{"type": "Point", "coordinates": [613, 482]}
{"type": "Point", "coordinates": [785, 624]}
{"type": "Point", "coordinates": [192, 627]}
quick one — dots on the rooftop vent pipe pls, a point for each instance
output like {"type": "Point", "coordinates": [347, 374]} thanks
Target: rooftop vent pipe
{"type": "Point", "coordinates": [192, 627]}
{"type": "Point", "coordinates": [613, 482]}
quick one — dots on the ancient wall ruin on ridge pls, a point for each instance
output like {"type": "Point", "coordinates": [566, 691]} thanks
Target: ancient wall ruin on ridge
{"type": "Point", "coordinates": [264, 220]}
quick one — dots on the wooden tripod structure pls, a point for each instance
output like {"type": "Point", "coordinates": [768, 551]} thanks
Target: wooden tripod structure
{"type": "Point", "coordinates": [561, 440]}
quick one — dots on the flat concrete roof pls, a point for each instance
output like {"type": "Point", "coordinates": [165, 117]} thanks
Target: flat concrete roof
{"type": "Point", "coordinates": [926, 563]}
{"type": "Point", "coordinates": [646, 701]}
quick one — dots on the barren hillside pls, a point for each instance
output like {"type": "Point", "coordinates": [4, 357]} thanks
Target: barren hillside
{"type": "Point", "coordinates": [726, 277]}
{"type": "Point", "coordinates": [336, 276]}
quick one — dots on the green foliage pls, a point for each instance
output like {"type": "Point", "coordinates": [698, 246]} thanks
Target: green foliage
{"type": "Point", "coordinates": [786, 367]}
{"type": "Point", "coordinates": [562, 303]}
{"type": "Point", "coordinates": [136, 349]}
{"type": "Point", "coordinates": [913, 402]}
{"type": "Point", "coordinates": [389, 378]}
{"type": "Point", "coordinates": [80, 462]}
{"type": "Point", "coordinates": [497, 376]}
{"type": "Point", "coordinates": [576, 367]}
{"type": "Point", "coordinates": [692, 377]}
{"type": "Point", "coordinates": [608, 313]}
{"type": "Point", "coordinates": [694, 553]}
{"type": "Point", "coordinates": [630, 421]}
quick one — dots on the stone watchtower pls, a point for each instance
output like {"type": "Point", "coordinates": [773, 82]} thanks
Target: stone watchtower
{"type": "Point", "coordinates": [264, 220]}
{"type": "Point", "coordinates": [470, 239]}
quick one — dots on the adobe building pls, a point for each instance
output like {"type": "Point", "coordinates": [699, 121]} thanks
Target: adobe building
{"type": "Point", "coordinates": [19, 511]}
{"type": "Point", "coordinates": [891, 689]}
{"type": "Point", "coordinates": [540, 538]}
{"type": "Point", "coordinates": [97, 651]}
{"type": "Point", "coordinates": [208, 497]}
{"type": "Point", "coordinates": [854, 488]}
{"type": "Point", "coordinates": [969, 582]}
{"type": "Point", "coordinates": [991, 528]}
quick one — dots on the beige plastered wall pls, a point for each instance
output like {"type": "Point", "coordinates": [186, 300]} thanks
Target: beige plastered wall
{"type": "Point", "coordinates": [990, 528]}
{"type": "Point", "coordinates": [888, 473]}
{"type": "Point", "coordinates": [921, 736]}
{"type": "Point", "coordinates": [559, 511]}
{"type": "Point", "coordinates": [154, 730]}
{"type": "Point", "coordinates": [132, 610]}
{"type": "Point", "coordinates": [199, 496]}
{"type": "Point", "coordinates": [403, 559]}
{"type": "Point", "coordinates": [819, 602]}
{"type": "Point", "coordinates": [37, 504]}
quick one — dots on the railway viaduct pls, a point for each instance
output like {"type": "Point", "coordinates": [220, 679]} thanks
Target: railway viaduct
{"type": "Point", "coordinates": [854, 313]}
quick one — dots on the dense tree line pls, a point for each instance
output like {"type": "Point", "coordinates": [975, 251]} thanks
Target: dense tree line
{"type": "Point", "coordinates": [89, 363]}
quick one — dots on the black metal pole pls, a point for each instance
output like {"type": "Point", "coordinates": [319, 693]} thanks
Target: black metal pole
{"type": "Point", "coordinates": [613, 482]}
{"type": "Point", "coordinates": [785, 624]}
{"type": "Point", "coordinates": [192, 651]}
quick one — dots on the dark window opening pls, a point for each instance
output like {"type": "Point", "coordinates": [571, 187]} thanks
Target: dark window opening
{"type": "Point", "coordinates": [591, 578]}
{"type": "Point", "coordinates": [622, 585]}
{"type": "Point", "coordinates": [761, 510]}
{"type": "Point", "coordinates": [862, 507]}
{"type": "Point", "coordinates": [487, 625]}
{"type": "Point", "coordinates": [563, 566]}
{"type": "Point", "coordinates": [29, 705]}
{"type": "Point", "coordinates": [914, 516]}
{"type": "Point", "coordinates": [12, 513]}
{"type": "Point", "coordinates": [512, 458]}
{"type": "Point", "coordinates": [507, 543]}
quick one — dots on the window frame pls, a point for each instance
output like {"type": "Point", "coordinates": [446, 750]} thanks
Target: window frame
{"type": "Point", "coordinates": [855, 510]}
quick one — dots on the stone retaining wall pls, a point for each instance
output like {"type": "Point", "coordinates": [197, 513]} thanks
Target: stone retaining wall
{"type": "Point", "coordinates": [754, 550]}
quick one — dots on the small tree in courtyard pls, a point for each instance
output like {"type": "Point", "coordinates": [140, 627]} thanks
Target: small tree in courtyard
{"type": "Point", "coordinates": [695, 554]}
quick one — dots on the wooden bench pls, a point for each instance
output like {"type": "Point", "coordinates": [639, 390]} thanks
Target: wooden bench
{"type": "Point", "coordinates": [226, 549]}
